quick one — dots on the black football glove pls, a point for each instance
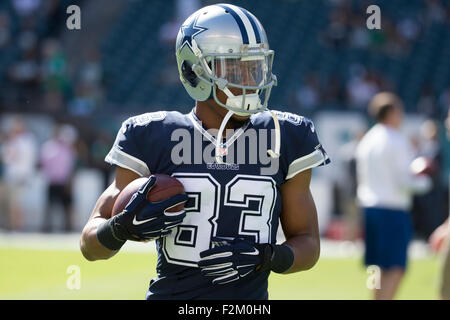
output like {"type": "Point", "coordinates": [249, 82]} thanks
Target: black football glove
{"type": "Point", "coordinates": [231, 260]}
{"type": "Point", "coordinates": [142, 220]}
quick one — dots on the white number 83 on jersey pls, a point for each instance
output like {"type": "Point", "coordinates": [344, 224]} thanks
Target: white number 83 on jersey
{"type": "Point", "coordinates": [194, 235]}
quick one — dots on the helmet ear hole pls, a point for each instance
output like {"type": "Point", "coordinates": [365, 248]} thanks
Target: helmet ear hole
{"type": "Point", "coordinates": [189, 74]}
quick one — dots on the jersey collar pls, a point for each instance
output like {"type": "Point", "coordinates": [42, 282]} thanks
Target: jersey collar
{"type": "Point", "coordinates": [199, 126]}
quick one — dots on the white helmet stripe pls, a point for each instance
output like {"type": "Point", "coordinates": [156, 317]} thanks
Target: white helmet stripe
{"type": "Point", "coordinates": [254, 25]}
{"type": "Point", "coordinates": [240, 23]}
{"type": "Point", "coordinates": [247, 24]}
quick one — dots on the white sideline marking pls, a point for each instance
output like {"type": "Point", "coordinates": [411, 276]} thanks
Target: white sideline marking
{"type": "Point", "coordinates": [38, 241]}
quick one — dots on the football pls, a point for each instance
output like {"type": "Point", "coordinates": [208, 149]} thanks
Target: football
{"type": "Point", "coordinates": [423, 165]}
{"type": "Point", "coordinates": [164, 188]}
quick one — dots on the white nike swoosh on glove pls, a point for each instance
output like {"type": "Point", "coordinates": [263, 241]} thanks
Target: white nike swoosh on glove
{"type": "Point", "coordinates": [136, 223]}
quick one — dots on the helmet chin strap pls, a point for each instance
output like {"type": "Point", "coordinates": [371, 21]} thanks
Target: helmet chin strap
{"type": "Point", "coordinates": [219, 140]}
{"type": "Point", "coordinates": [276, 153]}
{"type": "Point", "coordinates": [253, 104]}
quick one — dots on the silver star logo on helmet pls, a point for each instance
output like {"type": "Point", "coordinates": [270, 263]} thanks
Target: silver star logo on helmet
{"type": "Point", "coordinates": [190, 31]}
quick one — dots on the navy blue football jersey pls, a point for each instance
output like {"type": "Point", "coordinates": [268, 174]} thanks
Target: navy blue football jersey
{"type": "Point", "coordinates": [239, 198]}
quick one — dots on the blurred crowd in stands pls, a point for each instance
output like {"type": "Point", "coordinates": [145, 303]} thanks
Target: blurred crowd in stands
{"type": "Point", "coordinates": [39, 77]}
{"type": "Point", "coordinates": [36, 77]}
{"type": "Point", "coordinates": [346, 29]}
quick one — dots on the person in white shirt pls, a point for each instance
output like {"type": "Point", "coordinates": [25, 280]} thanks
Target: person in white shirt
{"type": "Point", "coordinates": [385, 189]}
{"type": "Point", "coordinates": [57, 161]}
{"type": "Point", "coordinates": [19, 159]}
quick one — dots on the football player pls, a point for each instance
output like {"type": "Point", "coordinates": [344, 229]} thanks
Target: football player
{"type": "Point", "coordinates": [245, 170]}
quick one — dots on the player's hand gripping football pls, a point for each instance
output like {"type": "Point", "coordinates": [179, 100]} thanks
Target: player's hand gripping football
{"type": "Point", "coordinates": [231, 260]}
{"type": "Point", "coordinates": [142, 220]}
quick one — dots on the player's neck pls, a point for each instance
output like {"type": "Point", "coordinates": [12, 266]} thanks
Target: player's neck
{"type": "Point", "coordinates": [211, 116]}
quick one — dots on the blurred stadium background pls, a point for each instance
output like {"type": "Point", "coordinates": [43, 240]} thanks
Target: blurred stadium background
{"type": "Point", "coordinates": [121, 63]}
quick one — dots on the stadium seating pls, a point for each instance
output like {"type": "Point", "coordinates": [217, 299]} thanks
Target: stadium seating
{"type": "Point", "coordinates": [134, 60]}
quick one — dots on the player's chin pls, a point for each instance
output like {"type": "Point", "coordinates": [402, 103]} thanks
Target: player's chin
{"type": "Point", "coordinates": [240, 118]}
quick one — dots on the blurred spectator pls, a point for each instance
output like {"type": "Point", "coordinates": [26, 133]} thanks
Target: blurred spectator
{"type": "Point", "coordinates": [429, 145]}
{"type": "Point", "coordinates": [91, 72]}
{"type": "Point", "coordinates": [426, 220]}
{"type": "Point", "coordinates": [99, 148]}
{"type": "Point", "coordinates": [444, 101]}
{"type": "Point", "coordinates": [28, 13]}
{"type": "Point", "coordinates": [5, 32]}
{"type": "Point", "coordinates": [19, 159]}
{"type": "Point", "coordinates": [427, 104]}
{"type": "Point", "coordinates": [81, 104]}
{"type": "Point", "coordinates": [54, 75]}
{"type": "Point", "coordinates": [334, 92]}
{"type": "Point", "coordinates": [25, 8]}
{"type": "Point", "coordinates": [337, 32]}
{"type": "Point", "coordinates": [434, 12]}
{"type": "Point", "coordinates": [308, 95]}
{"type": "Point", "coordinates": [359, 34]}
{"type": "Point", "coordinates": [25, 73]}
{"type": "Point", "coordinates": [88, 93]}
{"type": "Point", "coordinates": [27, 40]}
{"type": "Point", "coordinates": [347, 187]}
{"type": "Point", "coordinates": [378, 39]}
{"type": "Point", "coordinates": [361, 88]}
{"type": "Point", "coordinates": [58, 159]}
{"type": "Point", "coordinates": [395, 45]}
{"type": "Point", "coordinates": [408, 28]}
{"type": "Point", "coordinates": [26, 68]}
{"type": "Point", "coordinates": [385, 188]}
{"type": "Point", "coordinates": [82, 151]}
{"type": "Point", "coordinates": [53, 12]}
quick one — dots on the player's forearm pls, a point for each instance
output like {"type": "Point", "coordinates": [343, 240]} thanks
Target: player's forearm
{"type": "Point", "coordinates": [306, 250]}
{"type": "Point", "coordinates": [90, 246]}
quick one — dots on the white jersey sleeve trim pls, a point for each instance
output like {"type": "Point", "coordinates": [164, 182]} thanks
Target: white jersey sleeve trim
{"type": "Point", "coordinates": [124, 160]}
{"type": "Point", "coordinates": [309, 161]}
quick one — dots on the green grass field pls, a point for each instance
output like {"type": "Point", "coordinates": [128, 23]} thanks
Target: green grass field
{"type": "Point", "coordinates": [43, 274]}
